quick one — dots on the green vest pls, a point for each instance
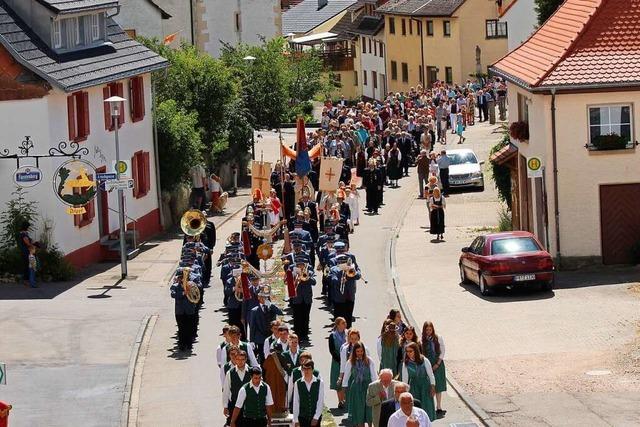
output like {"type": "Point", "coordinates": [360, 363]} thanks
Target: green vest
{"type": "Point", "coordinates": [241, 345]}
{"type": "Point", "coordinates": [308, 399]}
{"type": "Point", "coordinates": [296, 374]}
{"type": "Point", "coordinates": [227, 366]}
{"type": "Point", "coordinates": [290, 365]}
{"type": "Point", "coordinates": [237, 382]}
{"type": "Point", "coordinates": [255, 405]}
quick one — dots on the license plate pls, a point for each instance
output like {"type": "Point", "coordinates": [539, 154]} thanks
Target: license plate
{"type": "Point", "coordinates": [456, 182]}
{"type": "Point", "coordinates": [524, 277]}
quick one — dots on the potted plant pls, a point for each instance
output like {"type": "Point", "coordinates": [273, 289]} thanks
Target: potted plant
{"type": "Point", "coordinates": [611, 141]}
{"type": "Point", "coordinates": [519, 130]}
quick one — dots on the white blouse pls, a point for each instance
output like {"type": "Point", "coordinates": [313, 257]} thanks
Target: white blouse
{"type": "Point", "coordinates": [372, 371]}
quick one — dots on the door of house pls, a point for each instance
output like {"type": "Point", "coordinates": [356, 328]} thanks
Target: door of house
{"type": "Point", "coordinates": [432, 76]}
{"type": "Point", "coordinates": [103, 207]}
{"type": "Point", "coordinates": [620, 228]}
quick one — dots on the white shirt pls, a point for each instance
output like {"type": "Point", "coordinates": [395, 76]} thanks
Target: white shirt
{"type": "Point", "coordinates": [290, 385]}
{"type": "Point", "coordinates": [251, 355]}
{"type": "Point", "coordinates": [266, 347]}
{"type": "Point", "coordinates": [319, 403]}
{"type": "Point", "coordinates": [399, 419]}
{"type": "Point", "coordinates": [197, 175]}
{"type": "Point", "coordinates": [226, 385]}
{"type": "Point", "coordinates": [426, 366]}
{"type": "Point", "coordinates": [242, 395]}
{"type": "Point", "coordinates": [347, 372]}
{"type": "Point", "coordinates": [344, 357]}
{"type": "Point", "coordinates": [214, 186]}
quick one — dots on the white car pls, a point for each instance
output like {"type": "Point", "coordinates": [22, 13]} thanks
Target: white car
{"type": "Point", "coordinates": [465, 170]}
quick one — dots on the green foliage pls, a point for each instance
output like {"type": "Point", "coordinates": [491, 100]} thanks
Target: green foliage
{"type": "Point", "coordinates": [546, 8]}
{"type": "Point", "coordinates": [501, 173]}
{"type": "Point", "coordinates": [18, 210]}
{"type": "Point", "coordinates": [504, 219]}
{"type": "Point", "coordinates": [53, 266]}
{"type": "Point", "coordinates": [179, 143]}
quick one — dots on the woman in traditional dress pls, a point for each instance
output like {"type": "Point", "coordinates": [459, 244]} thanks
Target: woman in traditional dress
{"type": "Point", "coordinates": [353, 199]}
{"type": "Point", "coordinates": [337, 339]}
{"type": "Point", "coordinates": [275, 204]}
{"type": "Point", "coordinates": [437, 205]}
{"type": "Point", "coordinates": [388, 345]}
{"type": "Point", "coordinates": [395, 316]}
{"type": "Point", "coordinates": [417, 372]}
{"type": "Point", "coordinates": [433, 349]}
{"type": "Point", "coordinates": [394, 169]}
{"type": "Point", "coordinates": [409, 336]}
{"type": "Point", "coordinates": [359, 372]}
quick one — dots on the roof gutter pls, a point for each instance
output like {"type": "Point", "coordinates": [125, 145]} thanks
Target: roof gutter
{"type": "Point", "coordinates": [556, 208]}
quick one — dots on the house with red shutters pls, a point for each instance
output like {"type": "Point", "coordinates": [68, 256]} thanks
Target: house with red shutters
{"type": "Point", "coordinates": [59, 61]}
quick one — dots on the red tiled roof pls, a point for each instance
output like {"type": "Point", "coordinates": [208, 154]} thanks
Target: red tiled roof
{"type": "Point", "coordinates": [585, 42]}
{"type": "Point", "coordinates": [504, 154]}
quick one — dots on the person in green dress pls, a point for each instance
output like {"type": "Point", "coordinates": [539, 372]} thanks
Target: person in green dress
{"type": "Point", "coordinates": [388, 345]}
{"type": "Point", "coordinates": [417, 372]}
{"type": "Point", "coordinates": [337, 338]}
{"type": "Point", "coordinates": [359, 372]}
{"type": "Point", "coordinates": [433, 348]}
{"type": "Point", "coordinates": [408, 336]}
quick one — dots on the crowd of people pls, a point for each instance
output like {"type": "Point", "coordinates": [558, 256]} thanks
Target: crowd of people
{"type": "Point", "coordinates": [264, 367]}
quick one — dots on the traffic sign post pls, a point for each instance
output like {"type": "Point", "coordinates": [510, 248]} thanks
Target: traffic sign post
{"type": "Point", "coordinates": [122, 184]}
{"type": "Point", "coordinates": [534, 167]}
{"type": "Point", "coordinates": [108, 176]}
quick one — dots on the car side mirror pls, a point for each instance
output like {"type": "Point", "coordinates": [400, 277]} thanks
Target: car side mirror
{"type": "Point", "coordinates": [481, 162]}
{"type": "Point", "coordinates": [466, 249]}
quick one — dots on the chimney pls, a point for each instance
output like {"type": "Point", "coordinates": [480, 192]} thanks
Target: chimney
{"type": "Point", "coordinates": [322, 3]}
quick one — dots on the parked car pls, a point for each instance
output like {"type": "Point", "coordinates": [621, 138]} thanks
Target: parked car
{"type": "Point", "coordinates": [506, 259]}
{"type": "Point", "coordinates": [465, 170]}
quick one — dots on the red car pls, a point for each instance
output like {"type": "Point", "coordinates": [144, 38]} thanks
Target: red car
{"type": "Point", "coordinates": [511, 258]}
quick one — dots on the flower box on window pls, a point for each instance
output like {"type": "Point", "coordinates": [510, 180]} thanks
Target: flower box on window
{"type": "Point", "coordinates": [611, 141]}
{"type": "Point", "coordinates": [519, 130]}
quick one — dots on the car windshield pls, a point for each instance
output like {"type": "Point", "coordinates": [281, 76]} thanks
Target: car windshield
{"type": "Point", "coordinates": [462, 158]}
{"type": "Point", "coordinates": [513, 245]}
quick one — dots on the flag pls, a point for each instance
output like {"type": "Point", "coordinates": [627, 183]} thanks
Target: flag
{"type": "Point", "coordinates": [330, 170]}
{"type": "Point", "coordinates": [170, 38]}
{"type": "Point", "coordinates": [303, 163]}
{"type": "Point", "coordinates": [261, 176]}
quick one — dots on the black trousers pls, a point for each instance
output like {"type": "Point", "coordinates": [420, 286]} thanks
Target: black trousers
{"type": "Point", "coordinates": [235, 319]}
{"type": "Point", "coordinates": [301, 313]}
{"type": "Point", "coordinates": [444, 179]}
{"type": "Point", "coordinates": [187, 326]}
{"type": "Point", "coordinates": [344, 309]}
{"type": "Point", "coordinates": [259, 352]}
{"type": "Point", "coordinates": [306, 422]}
{"type": "Point", "coordinates": [250, 422]}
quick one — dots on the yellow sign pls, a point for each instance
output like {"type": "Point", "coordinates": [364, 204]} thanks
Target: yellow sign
{"type": "Point", "coordinates": [121, 167]}
{"type": "Point", "coordinates": [76, 211]}
{"type": "Point", "coordinates": [534, 167]}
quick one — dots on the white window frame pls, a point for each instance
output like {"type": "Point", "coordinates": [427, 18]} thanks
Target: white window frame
{"type": "Point", "coordinates": [609, 106]}
{"type": "Point", "coordinates": [56, 33]}
{"type": "Point", "coordinates": [73, 31]}
{"type": "Point", "coordinates": [95, 27]}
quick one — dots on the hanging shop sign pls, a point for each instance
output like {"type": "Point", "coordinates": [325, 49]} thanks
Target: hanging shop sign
{"type": "Point", "coordinates": [27, 176]}
{"type": "Point", "coordinates": [75, 185]}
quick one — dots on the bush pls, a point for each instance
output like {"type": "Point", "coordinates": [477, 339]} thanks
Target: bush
{"type": "Point", "coordinates": [501, 173]}
{"type": "Point", "coordinates": [18, 210]}
{"type": "Point", "coordinates": [52, 267]}
{"type": "Point", "coordinates": [504, 219]}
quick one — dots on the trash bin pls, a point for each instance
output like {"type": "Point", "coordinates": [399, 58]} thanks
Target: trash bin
{"type": "Point", "coordinates": [4, 414]}
{"type": "Point", "coordinates": [492, 111]}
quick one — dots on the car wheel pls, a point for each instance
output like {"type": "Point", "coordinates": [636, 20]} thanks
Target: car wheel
{"type": "Point", "coordinates": [463, 275]}
{"type": "Point", "coordinates": [484, 289]}
{"type": "Point", "coordinates": [547, 286]}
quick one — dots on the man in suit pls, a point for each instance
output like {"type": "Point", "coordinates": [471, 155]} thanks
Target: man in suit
{"type": "Point", "coordinates": [389, 407]}
{"type": "Point", "coordinates": [380, 391]}
{"type": "Point", "coordinates": [301, 303]}
{"type": "Point", "coordinates": [260, 321]}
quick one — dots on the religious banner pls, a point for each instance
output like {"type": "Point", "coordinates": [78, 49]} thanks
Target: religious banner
{"type": "Point", "coordinates": [330, 169]}
{"type": "Point", "coordinates": [261, 176]}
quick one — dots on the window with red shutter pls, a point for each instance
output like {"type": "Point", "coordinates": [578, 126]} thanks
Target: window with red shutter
{"type": "Point", "coordinates": [134, 174]}
{"type": "Point", "coordinates": [71, 117]}
{"type": "Point", "coordinates": [78, 116]}
{"type": "Point", "coordinates": [106, 94]}
{"type": "Point", "coordinates": [136, 96]}
{"type": "Point", "coordinates": [140, 171]}
{"type": "Point", "coordinates": [146, 170]}
{"type": "Point", "coordinates": [113, 89]}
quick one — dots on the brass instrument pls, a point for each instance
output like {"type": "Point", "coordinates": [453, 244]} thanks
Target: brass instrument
{"type": "Point", "coordinates": [193, 222]}
{"type": "Point", "coordinates": [351, 269]}
{"type": "Point", "coordinates": [303, 274]}
{"type": "Point", "coordinates": [190, 289]}
{"type": "Point", "coordinates": [237, 289]}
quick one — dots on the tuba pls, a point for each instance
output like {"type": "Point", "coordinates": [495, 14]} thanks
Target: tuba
{"type": "Point", "coordinates": [303, 275]}
{"type": "Point", "coordinates": [351, 269]}
{"type": "Point", "coordinates": [190, 289]}
{"type": "Point", "coordinates": [193, 222]}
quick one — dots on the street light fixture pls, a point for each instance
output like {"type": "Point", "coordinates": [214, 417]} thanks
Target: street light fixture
{"type": "Point", "coordinates": [250, 60]}
{"type": "Point", "coordinates": [115, 103]}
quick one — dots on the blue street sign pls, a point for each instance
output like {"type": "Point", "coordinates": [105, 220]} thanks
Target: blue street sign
{"type": "Point", "coordinates": [106, 176]}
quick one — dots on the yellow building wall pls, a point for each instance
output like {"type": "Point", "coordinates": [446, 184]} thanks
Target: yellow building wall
{"type": "Point", "coordinates": [441, 51]}
{"type": "Point", "coordinates": [357, 66]}
{"type": "Point", "coordinates": [349, 88]}
{"type": "Point", "coordinates": [401, 49]}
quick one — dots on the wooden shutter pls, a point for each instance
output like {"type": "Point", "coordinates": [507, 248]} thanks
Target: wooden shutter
{"type": "Point", "coordinates": [141, 108]}
{"type": "Point", "coordinates": [120, 93]}
{"type": "Point", "coordinates": [134, 174]}
{"type": "Point", "coordinates": [85, 114]}
{"type": "Point", "coordinates": [71, 117]}
{"type": "Point", "coordinates": [136, 94]}
{"type": "Point", "coordinates": [106, 94]}
{"type": "Point", "coordinates": [91, 208]}
{"type": "Point", "coordinates": [146, 172]}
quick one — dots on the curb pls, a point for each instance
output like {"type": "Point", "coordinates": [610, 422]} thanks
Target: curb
{"type": "Point", "coordinates": [129, 417]}
{"type": "Point", "coordinates": [484, 418]}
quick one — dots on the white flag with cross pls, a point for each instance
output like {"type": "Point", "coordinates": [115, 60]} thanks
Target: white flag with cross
{"type": "Point", "coordinates": [261, 177]}
{"type": "Point", "coordinates": [330, 169]}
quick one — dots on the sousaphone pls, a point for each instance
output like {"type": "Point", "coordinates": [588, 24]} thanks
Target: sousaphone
{"type": "Point", "coordinates": [193, 222]}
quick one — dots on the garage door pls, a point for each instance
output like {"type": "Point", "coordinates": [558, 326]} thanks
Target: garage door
{"type": "Point", "coordinates": [620, 222]}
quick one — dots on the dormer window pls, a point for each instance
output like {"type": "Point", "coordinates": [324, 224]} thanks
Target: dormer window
{"type": "Point", "coordinates": [78, 32]}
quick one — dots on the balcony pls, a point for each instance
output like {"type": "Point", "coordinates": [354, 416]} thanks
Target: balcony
{"type": "Point", "coordinates": [339, 59]}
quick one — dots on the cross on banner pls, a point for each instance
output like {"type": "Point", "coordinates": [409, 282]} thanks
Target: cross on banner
{"type": "Point", "coordinates": [330, 174]}
{"type": "Point", "coordinates": [330, 167]}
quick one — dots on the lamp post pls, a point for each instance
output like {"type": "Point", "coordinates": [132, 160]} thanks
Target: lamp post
{"type": "Point", "coordinates": [250, 60]}
{"type": "Point", "coordinates": [115, 103]}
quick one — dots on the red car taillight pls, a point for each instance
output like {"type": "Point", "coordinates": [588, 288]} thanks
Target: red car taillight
{"type": "Point", "coordinates": [498, 268]}
{"type": "Point", "coordinates": [545, 264]}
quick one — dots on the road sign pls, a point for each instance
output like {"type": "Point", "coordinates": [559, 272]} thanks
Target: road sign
{"type": "Point", "coordinates": [108, 176]}
{"type": "Point", "coordinates": [534, 167]}
{"type": "Point", "coordinates": [3, 374]}
{"type": "Point", "coordinates": [27, 176]}
{"type": "Point", "coordinates": [122, 166]}
{"type": "Point", "coordinates": [123, 184]}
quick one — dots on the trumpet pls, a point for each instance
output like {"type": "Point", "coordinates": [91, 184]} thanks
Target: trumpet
{"type": "Point", "coordinates": [303, 274]}
{"type": "Point", "coordinates": [237, 289]}
{"type": "Point", "coordinates": [349, 268]}
{"type": "Point", "coordinates": [190, 289]}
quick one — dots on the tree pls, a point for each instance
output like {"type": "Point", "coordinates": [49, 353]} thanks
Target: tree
{"type": "Point", "coordinates": [179, 143]}
{"type": "Point", "coordinates": [546, 8]}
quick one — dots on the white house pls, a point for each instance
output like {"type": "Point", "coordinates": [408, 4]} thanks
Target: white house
{"type": "Point", "coordinates": [371, 44]}
{"type": "Point", "coordinates": [236, 21]}
{"type": "Point", "coordinates": [521, 19]}
{"type": "Point", "coordinates": [143, 18]}
{"type": "Point", "coordinates": [58, 62]}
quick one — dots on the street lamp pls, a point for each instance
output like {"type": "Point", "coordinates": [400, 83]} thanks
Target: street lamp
{"type": "Point", "coordinates": [250, 60]}
{"type": "Point", "coordinates": [115, 102]}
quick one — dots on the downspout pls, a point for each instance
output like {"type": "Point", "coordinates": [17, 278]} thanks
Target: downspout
{"type": "Point", "coordinates": [156, 152]}
{"type": "Point", "coordinates": [555, 174]}
{"type": "Point", "coordinates": [193, 30]}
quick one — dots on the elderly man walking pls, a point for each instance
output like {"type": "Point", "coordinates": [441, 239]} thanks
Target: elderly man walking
{"type": "Point", "coordinates": [389, 407]}
{"type": "Point", "coordinates": [408, 415]}
{"type": "Point", "coordinates": [379, 391]}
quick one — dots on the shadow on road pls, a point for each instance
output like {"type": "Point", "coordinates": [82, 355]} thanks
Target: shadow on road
{"type": "Point", "coordinates": [502, 295]}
